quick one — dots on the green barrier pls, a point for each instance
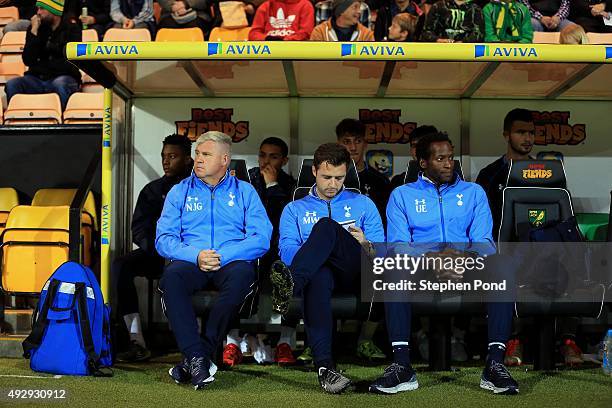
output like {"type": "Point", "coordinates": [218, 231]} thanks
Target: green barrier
{"type": "Point", "coordinates": [594, 226]}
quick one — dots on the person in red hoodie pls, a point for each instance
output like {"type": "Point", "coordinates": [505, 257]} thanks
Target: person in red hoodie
{"type": "Point", "coordinates": [288, 20]}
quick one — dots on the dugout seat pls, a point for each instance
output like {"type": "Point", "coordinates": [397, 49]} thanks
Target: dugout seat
{"type": "Point", "coordinates": [34, 243]}
{"type": "Point", "coordinates": [8, 200]}
{"type": "Point", "coordinates": [10, 70]}
{"type": "Point", "coordinates": [599, 38]}
{"type": "Point", "coordinates": [535, 195]}
{"type": "Point", "coordinates": [544, 37]}
{"type": "Point", "coordinates": [306, 180]}
{"type": "Point", "coordinates": [46, 197]}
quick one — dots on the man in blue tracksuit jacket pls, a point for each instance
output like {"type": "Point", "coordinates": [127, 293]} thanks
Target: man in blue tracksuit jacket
{"type": "Point", "coordinates": [444, 216]}
{"type": "Point", "coordinates": [322, 237]}
{"type": "Point", "coordinates": [213, 228]}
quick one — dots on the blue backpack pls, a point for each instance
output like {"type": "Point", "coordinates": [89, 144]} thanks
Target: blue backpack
{"type": "Point", "coordinates": [71, 326]}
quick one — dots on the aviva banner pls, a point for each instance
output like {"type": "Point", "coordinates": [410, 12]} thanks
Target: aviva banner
{"type": "Point", "coordinates": [291, 50]}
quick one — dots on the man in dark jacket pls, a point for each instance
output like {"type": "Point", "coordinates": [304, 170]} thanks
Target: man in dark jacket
{"type": "Point", "coordinates": [519, 134]}
{"type": "Point", "coordinates": [97, 16]}
{"type": "Point", "coordinates": [454, 21]}
{"type": "Point", "coordinates": [43, 53]}
{"type": "Point", "coordinates": [145, 261]}
{"type": "Point", "coordinates": [275, 189]}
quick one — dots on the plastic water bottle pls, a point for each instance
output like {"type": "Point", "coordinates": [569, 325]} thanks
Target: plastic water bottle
{"type": "Point", "coordinates": [607, 354]}
{"type": "Point", "coordinates": [84, 14]}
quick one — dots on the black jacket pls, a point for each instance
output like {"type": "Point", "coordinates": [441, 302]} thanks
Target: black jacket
{"type": "Point", "coordinates": [377, 187]}
{"type": "Point", "coordinates": [148, 210]}
{"type": "Point", "coordinates": [274, 200]}
{"type": "Point", "coordinates": [44, 53]}
{"type": "Point", "coordinates": [98, 9]}
{"type": "Point", "coordinates": [27, 8]}
{"type": "Point", "coordinates": [493, 180]}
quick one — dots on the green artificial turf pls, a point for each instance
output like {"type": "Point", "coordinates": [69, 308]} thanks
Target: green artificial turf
{"type": "Point", "coordinates": [250, 385]}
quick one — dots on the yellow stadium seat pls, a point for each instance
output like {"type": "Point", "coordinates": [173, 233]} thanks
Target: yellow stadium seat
{"type": "Point", "coordinates": [33, 109]}
{"type": "Point", "coordinates": [89, 222]}
{"type": "Point", "coordinates": [10, 70]}
{"type": "Point", "coordinates": [542, 37]}
{"type": "Point", "coordinates": [92, 88]}
{"type": "Point", "coordinates": [599, 38]}
{"type": "Point", "coordinates": [134, 34]}
{"type": "Point", "coordinates": [219, 34]}
{"type": "Point", "coordinates": [179, 34]}
{"type": "Point", "coordinates": [34, 243]}
{"type": "Point", "coordinates": [84, 108]}
{"type": "Point", "coordinates": [8, 200]}
{"type": "Point", "coordinates": [8, 15]}
{"type": "Point", "coordinates": [90, 35]}
{"type": "Point", "coordinates": [13, 42]}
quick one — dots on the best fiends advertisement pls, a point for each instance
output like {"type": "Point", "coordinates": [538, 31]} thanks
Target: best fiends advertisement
{"type": "Point", "coordinates": [555, 128]}
{"type": "Point", "coordinates": [219, 119]}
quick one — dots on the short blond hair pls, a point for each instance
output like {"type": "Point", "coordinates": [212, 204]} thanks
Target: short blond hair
{"type": "Point", "coordinates": [217, 137]}
{"type": "Point", "coordinates": [406, 22]}
{"type": "Point", "coordinates": [573, 34]}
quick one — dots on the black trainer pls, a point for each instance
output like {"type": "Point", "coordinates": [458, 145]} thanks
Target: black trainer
{"type": "Point", "coordinates": [202, 372]}
{"type": "Point", "coordinates": [282, 287]}
{"type": "Point", "coordinates": [180, 373]}
{"type": "Point", "coordinates": [496, 378]}
{"type": "Point", "coordinates": [396, 378]}
{"type": "Point", "coordinates": [134, 353]}
{"type": "Point", "coordinates": [332, 381]}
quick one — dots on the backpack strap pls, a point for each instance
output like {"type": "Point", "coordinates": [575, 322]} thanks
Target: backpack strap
{"type": "Point", "coordinates": [40, 324]}
{"type": "Point", "coordinates": [93, 360]}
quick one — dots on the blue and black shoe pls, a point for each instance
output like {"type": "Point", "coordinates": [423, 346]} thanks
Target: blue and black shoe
{"type": "Point", "coordinates": [282, 287]}
{"type": "Point", "coordinates": [202, 372]}
{"type": "Point", "coordinates": [180, 373]}
{"type": "Point", "coordinates": [496, 378]}
{"type": "Point", "coordinates": [396, 378]}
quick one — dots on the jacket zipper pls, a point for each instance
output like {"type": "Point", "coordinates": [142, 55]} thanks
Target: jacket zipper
{"type": "Point", "coordinates": [212, 219]}
{"type": "Point", "coordinates": [441, 215]}
{"type": "Point", "coordinates": [329, 210]}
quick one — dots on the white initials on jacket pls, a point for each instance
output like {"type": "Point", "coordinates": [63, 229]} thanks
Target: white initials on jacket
{"type": "Point", "coordinates": [310, 217]}
{"type": "Point", "coordinates": [193, 204]}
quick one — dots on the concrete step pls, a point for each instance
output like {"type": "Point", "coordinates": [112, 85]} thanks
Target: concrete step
{"type": "Point", "coordinates": [17, 321]}
{"type": "Point", "coordinates": [10, 345]}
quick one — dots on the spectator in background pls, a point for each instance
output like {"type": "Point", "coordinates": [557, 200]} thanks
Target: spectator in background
{"type": "Point", "coordinates": [387, 10]}
{"type": "Point", "coordinates": [96, 16]}
{"type": "Point", "coordinates": [43, 53]}
{"type": "Point", "coordinates": [186, 14]}
{"type": "Point", "coordinates": [590, 14]}
{"type": "Point", "coordinates": [573, 34]}
{"type": "Point", "coordinates": [413, 139]}
{"type": "Point", "coordinates": [27, 8]}
{"type": "Point", "coordinates": [145, 261]}
{"type": "Point", "coordinates": [507, 21]}
{"type": "Point", "coordinates": [283, 20]}
{"type": "Point", "coordinates": [453, 21]}
{"type": "Point", "coordinates": [323, 10]}
{"type": "Point", "coordinates": [548, 15]}
{"type": "Point", "coordinates": [343, 25]}
{"type": "Point", "coordinates": [403, 27]}
{"type": "Point", "coordinates": [129, 14]}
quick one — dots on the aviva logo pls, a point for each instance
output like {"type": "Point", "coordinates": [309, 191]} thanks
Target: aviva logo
{"type": "Point", "coordinates": [89, 49]}
{"type": "Point", "coordinates": [372, 50]}
{"type": "Point", "coordinates": [235, 49]}
{"type": "Point", "coordinates": [608, 52]}
{"type": "Point", "coordinates": [495, 51]}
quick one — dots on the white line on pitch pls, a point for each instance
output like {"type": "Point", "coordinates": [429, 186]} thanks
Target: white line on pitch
{"type": "Point", "coordinates": [28, 376]}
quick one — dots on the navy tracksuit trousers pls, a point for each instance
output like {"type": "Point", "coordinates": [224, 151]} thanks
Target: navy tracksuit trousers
{"type": "Point", "coordinates": [180, 280]}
